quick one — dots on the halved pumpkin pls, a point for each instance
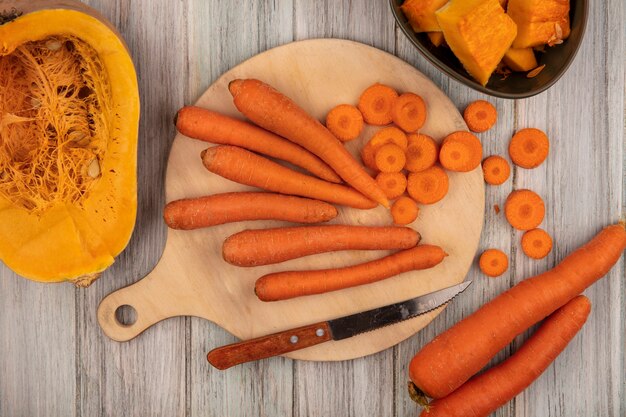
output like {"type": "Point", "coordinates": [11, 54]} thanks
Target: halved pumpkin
{"type": "Point", "coordinates": [69, 116]}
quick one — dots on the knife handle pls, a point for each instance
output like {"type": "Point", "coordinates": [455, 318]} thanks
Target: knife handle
{"type": "Point", "coordinates": [267, 346]}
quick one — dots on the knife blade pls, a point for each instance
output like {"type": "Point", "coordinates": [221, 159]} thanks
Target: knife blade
{"type": "Point", "coordinates": [337, 329]}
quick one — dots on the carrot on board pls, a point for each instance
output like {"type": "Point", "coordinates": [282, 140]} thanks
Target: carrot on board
{"type": "Point", "coordinates": [454, 356]}
{"type": "Point", "coordinates": [409, 112]}
{"type": "Point", "coordinates": [529, 148]}
{"type": "Point", "coordinates": [536, 243]}
{"type": "Point", "coordinates": [460, 151]}
{"type": "Point", "coordinates": [392, 183]}
{"type": "Point", "coordinates": [194, 213]}
{"type": "Point", "coordinates": [270, 246]}
{"type": "Point", "coordinates": [496, 170]}
{"type": "Point", "coordinates": [244, 167]}
{"type": "Point", "coordinates": [493, 262]}
{"type": "Point", "coordinates": [284, 285]}
{"type": "Point", "coordinates": [210, 126]}
{"type": "Point", "coordinates": [390, 158]}
{"type": "Point", "coordinates": [480, 116]}
{"type": "Point", "coordinates": [428, 186]}
{"type": "Point", "coordinates": [524, 209]}
{"type": "Point", "coordinates": [421, 152]}
{"type": "Point", "coordinates": [275, 112]}
{"type": "Point", "coordinates": [384, 136]}
{"type": "Point", "coordinates": [485, 393]}
{"type": "Point", "coordinates": [376, 103]}
{"type": "Point", "coordinates": [404, 210]}
{"type": "Point", "coordinates": [345, 122]}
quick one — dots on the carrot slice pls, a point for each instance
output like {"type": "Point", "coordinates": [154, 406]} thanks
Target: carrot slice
{"type": "Point", "coordinates": [390, 158]}
{"type": "Point", "coordinates": [404, 210]}
{"type": "Point", "coordinates": [536, 243]}
{"type": "Point", "coordinates": [368, 156]}
{"type": "Point", "coordinates": [493, 262]}
{"type": "Point", "coordinates": [392, 183]}
{"type": "Point", "coordinates": [529, 148]}
{"type": "Point", "coordinates": [409, 112]}
{"type": "Point", "coordinates": [421, 152]}
{"type": "Point", "coordinates": [428, 186]}
{"type": "Point", "coordinates": [496, 170]}
{"type": "Point", "coordinates": [524, 209]}
{"type": "Point", "coordinates": [461, 151]}
{"type": "Point", "coordinates": [345, 122]}
{"type": "Point", "coordinates": [384, 136]}
{"type": "Point", "coordinates": [375, 104]}
{"type": "Point", "coordinates": [480, 116]}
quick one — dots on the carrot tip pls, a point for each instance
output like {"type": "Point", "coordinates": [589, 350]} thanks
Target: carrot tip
{"type": "Point", "coordinates": [203, 153]}
{"type": "Point", "coordinates": [417, 395]}
{"type": "Point", "coordinates": [235, 86]}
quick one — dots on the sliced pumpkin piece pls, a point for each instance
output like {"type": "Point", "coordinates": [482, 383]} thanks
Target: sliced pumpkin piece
{"type": "Point", "coordinates": [421, 14]}
{"type": "Point", "coordinates": [436, 38]}
{"type": "Point", "coordinates": [539, 22]}
{"type": "Point", "coordinates": [522, 59]}
{"type": "Point", "coordinates": [478, 32]}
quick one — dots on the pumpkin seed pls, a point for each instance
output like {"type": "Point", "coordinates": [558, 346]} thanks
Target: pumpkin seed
{"type": "Point", "coordinates": [53, 45]}
{"type": "Point", "coordinates": [536, 71]}
{"type": "Point", "coordinates": [94, 169]}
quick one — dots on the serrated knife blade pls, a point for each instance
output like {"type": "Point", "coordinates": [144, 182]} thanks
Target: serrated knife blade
{"type": "Point", "coordinates": [336, 329]}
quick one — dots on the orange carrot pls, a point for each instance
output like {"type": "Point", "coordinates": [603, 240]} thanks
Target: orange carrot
{"type": "Point", "coordinates": [536, 243]}
{"type": "Point", "coordinates": [376, 103]}
{"type": "Point", "coordinates": [454, 356]}
{"type": "Point", "coordinates": [290, 284]}
{"type": "Point", "coordinates": [345, 122]}
{"type": "Point", "coordinates": [244, 167]}
{"type": "Point", "coordinates": [392, 183]}
{"type": "Point", "coordinates": [384, 136]}
{"type": "Point", "coordinates": [421, 152]}
{"type": "Point", "coordinates": [461, 152]}
{"type": "Point", "coordinates": [270, 246]}
{"type": "Point", "coordinates": [368, 156]}
{"type": "Point", "coordinates": [524, 209]}
{"type": "Point", "coordinates": [404, 210]}
{"type": "Point", "coordinates": [275, 112]}
{"type": "Point", "coordinates": [210, 126]}
{"type": "Point", "coordinates": [429, 186]}
{"type": "Point", "coordinates": [409, 112]}
{"type": "Point", "coordinates": [496, 170]}
{"type": "Point", "coordinates": [529, 148]}
{"type": "Point", "coordinates": [480, 116]}
{"type": "Point", "coordinates": [390, 158]}
{"type": "Point", "coordinates": [483, 394]}
{"type": "Point", "coordinates": [194, 213]}
{"type": "Point", "coordinates": [493, 262]}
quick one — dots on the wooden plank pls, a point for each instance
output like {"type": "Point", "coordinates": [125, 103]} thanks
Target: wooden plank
{"type": "Point", "coordinates": [145, 376]}
{"type": "Point", "coordinates": [220, 38]}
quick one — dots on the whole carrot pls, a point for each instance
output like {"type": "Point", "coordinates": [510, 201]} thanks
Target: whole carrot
{"type": "Point", "coordinates": [277, 113]}
{"type": "Point", "coordinates": [244, 167]}
{"type": "Point", "coordinates": [194, 213]}
{"type": "Point", "coordinates": [269, 246]}
{"type": "Point", "coordinates": [483, 394]}
{"type": "Point", "coordinates": [210, 126]}
{"type": "Point", "coordinates": [290, 284]}
{"type": "Point", "coordinates": [454, 356]}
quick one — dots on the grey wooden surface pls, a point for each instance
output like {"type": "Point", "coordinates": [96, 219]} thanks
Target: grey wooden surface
{"type": "Point", "coordinates": [54, 360]}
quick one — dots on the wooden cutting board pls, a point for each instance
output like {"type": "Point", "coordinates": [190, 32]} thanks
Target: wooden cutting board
{"type": "Point", "coordinates": [192, 279]}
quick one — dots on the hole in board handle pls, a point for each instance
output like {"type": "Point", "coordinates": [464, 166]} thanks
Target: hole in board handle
{"type": "Point", "coordinates": [125, 315]}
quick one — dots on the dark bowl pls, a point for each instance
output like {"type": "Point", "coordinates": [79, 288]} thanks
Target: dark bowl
{"type": "Point", "coordinates": [556, 58]}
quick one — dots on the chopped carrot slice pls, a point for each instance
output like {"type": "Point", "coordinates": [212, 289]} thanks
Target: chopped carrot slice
{"type": "Point", "coordinates": [368, 156]}
{"type": "Point", "coordinates": [404, 210]}
{"type": "Point", "coordinates": [392, 183]}
{"type": "Point", "coordinates": [461, 152]}
{"type": "Point", "coordinates": [390, 158]}
{"type": "Point", "coordinates": [428, 186]}
{"type": "Point", "coordinates": [384, 136]}
{"type": "Point", "coordinates": [536, 243]}
{"type": "Point", "coordinates": [496, 170]}
{"type": "Point", "coordinates": [409, 112]}
{"type": "Point", "coordinates": [493, 262]}
{"type": "Point", "coordinates": [480, 116]}
{"type": "Point", "coordinates": [524, 209]}
{"type": "Point", "coordinates": [375, 104]}
{"type": "Point", "coordinates": [345, 122]}
{"type": "Point", "coordinates": [421, 152]}
{"type": "Point", "coordinates": [529, 148]}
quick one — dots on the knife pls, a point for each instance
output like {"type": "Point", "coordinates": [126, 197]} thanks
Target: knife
{"type": "Point", "coordinates": [341, 328]}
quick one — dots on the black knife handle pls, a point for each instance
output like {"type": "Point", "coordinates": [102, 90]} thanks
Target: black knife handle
{"type": "Point", "coordinates": [267, 346]}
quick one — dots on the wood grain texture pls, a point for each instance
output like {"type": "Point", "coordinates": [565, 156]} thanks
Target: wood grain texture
{"type": "Point", "coordinates": [55, 361]}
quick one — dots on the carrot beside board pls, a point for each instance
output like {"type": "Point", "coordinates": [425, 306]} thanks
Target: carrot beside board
{"type": "Point", "coordinates": [210, 126]}
{"type": "Point", "coordinates": [290, 284]}
{"type": "Point", "coordinates": [194, 213]}
{"type": "Point", "coordinates": [454, 356]}
{"type": "Point", "coordinates": [244, 167]}
{"type": "Point", "coordinates": [277, 113]}
{"type": "Point", "coordinates": [483, 394]}
{"type": "Point", "coordinates": [269, 246]}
